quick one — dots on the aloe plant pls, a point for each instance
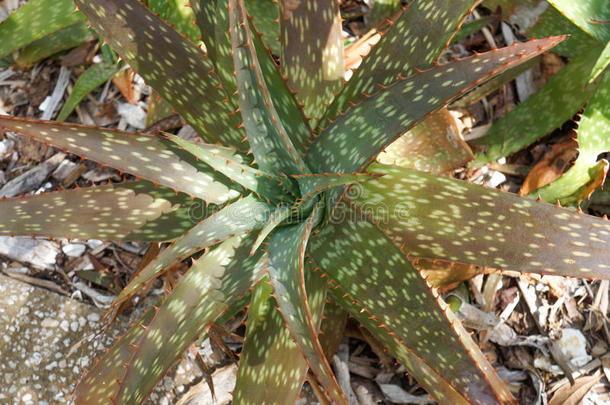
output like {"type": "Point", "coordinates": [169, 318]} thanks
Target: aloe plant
{"type": "Point", "coordinates": [583, 82]}
{"type": "Point", "coordinates": [286, 206]}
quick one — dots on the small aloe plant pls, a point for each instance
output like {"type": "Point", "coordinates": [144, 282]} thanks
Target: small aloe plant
{"type": "Point", "coordinates": [583, 82]}
{"type": "Point", "coordinates": [282, 197]}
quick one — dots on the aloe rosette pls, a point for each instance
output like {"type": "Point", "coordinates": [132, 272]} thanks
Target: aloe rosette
{"type": "Point", "coordinates": [282, 197]}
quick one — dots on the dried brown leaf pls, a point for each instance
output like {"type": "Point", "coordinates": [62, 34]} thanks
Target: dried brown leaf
{"type": "Point", "coordinates": [551, 166]}
{"type": "Point", "coordinates": [573, 394]}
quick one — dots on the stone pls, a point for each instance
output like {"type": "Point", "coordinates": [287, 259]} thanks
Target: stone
{"type": "Point", "coordinates": [74, 249]}
{"type": "Point", "coordinates": [39, 253]}
{"type": "Point", "coordinates": [574, 345]}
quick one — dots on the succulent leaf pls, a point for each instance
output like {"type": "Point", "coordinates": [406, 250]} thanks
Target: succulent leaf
{"type": "Point", "coordinates": [415, 40]}
{"type": "Point", "coordinates": [556, 102]}
{"type": "Point", "coordinates": [266, 17]}
{"type": "Point", "coordinates": [286, 270]}
{"type": "Point", "coordinates": [134, 211]}
{"type": "Point", "coordinates": [99, 384]}
{"type": "Point", "coordinates": [312, 52]}
{"type": "Point", "coordinates": [158, 109]}
{"type": "Point", "coordinates": [91, 79]}
{"type": "Point", "coordinates": [387, 291]}
{"type": "Point", "coordinates": [170, 63]}
{"type": "Point", "coordinates": [429, 378]}
{"type": "Point", "coordinates": [482, 226]}
{"type": "Point", "coordinates": [591, 16]}
{"type": "Point", "coordinates": [146, 156]}
{"type": "Point", "coordinates": [239, 217]}
{"type": "Point", "coordinates": [313, 184]}
{"type": "Point", "coordinates": [333, 323]}
{"type": "Point", "coordinates": [378, 120]}
{"type": "Point", "coordinates": [494, 83]}
{"type": "Point", "coordinates": [240, 304]}
{"type": "Point", "coordinates": [281, 213]}
{"type": "Point", "coordinates": [382, 10]}
{"type": "Point", "coordinates": [249, 177]}
{"type": "Point", "coordinates": [271, 145]}
{"type": "Point", "coordinates": [207, 289]}
{"type": "Point", "coordinates": [272, 369]}
{"type": "Point", "coordinates": [34, 20]}
{"type": "Point", "coordinates": [284, 100]}
{"type": "Point", "coordinates": [434, 145]}
{"type": "Point", "coordinates": [212, 17]}
{"type": "Point", "coordinates": [60, 40]}
{"type": "Point", "coordinates": [587, 174]}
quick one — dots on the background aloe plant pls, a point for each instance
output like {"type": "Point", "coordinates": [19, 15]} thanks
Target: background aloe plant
{"type": "Point", "coordinates": [310, 223]}
{"type": "Point", "coordinates": [581, 83]}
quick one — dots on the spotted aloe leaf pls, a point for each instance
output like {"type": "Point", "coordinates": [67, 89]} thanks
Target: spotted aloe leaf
{"type": "Point", "coordinates": [313, 184]}
{"type": "Point", "coordinates": [158, 109]}
{"type": "Point", "coordinates": [493, 84]}
{"type": "Point", "coordinates": [272, 366]}
{"type": "Point", "coordinates": [333, 323]}
{"type": "Point", "coordinates": [101, 382]}
{"type": "Point", "coordinates": [91, 79]}
{"type": "Point", "coordinates": [60, 40]}
{"type": "Point", "coordinates": [378, 120]}
{"type": "Point", "coordinates": [210, 287]}
{"type": "Point", "coordinates": [252, 179]}
{"type": "Point", "coordinates": [591, 16]}
{"type": "Point", "coordinates": [286, 267]}
{"type": "Point", "coordinates": [434, 145]}
{"type": "Point", "coordinates": [556, 102]}
{"type": "Point", "coordinates": [150, 157]}
{"type": "Point", "coordinates": [382, 10]}
{"type": "Point", "coordinates": [312, 52]}
{"type": "Point", "coordinates": [239, 217]}
{"type": "Point", "coordinates": [426, 374]}
{"type": "Point", "coordinates": [271, 145]}
{"type": "Point", "coordinates": [156, 51]}
{"type": "Point", "coordinates": [415, 40]}
{"type": "Point", "coordinates": [228, 314]}
{"type": "Point", "coordinates": [587, 174]}
{"type": "Point", "coordinates": [266, 17]}
{"type": "Point", "coordinates": [134, 211]}
{"type": "Point", "coordinates": [482, 226]}
{"type": "Point", "coordinates": [34, 20]}
{"type": "Point", "coordinates": [396, 297]}
{"type": "Point", "coordinates": [284, 100]}
{"type": "Point", "coordinates": [212, 18]}
{"type": "Point", "coordinates": [280, 214]}
{"type": "Point", "coordinates": [269, 355]}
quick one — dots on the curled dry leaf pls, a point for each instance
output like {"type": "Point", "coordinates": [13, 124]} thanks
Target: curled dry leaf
{"type": "Point", "coordinates": [551, 166]}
